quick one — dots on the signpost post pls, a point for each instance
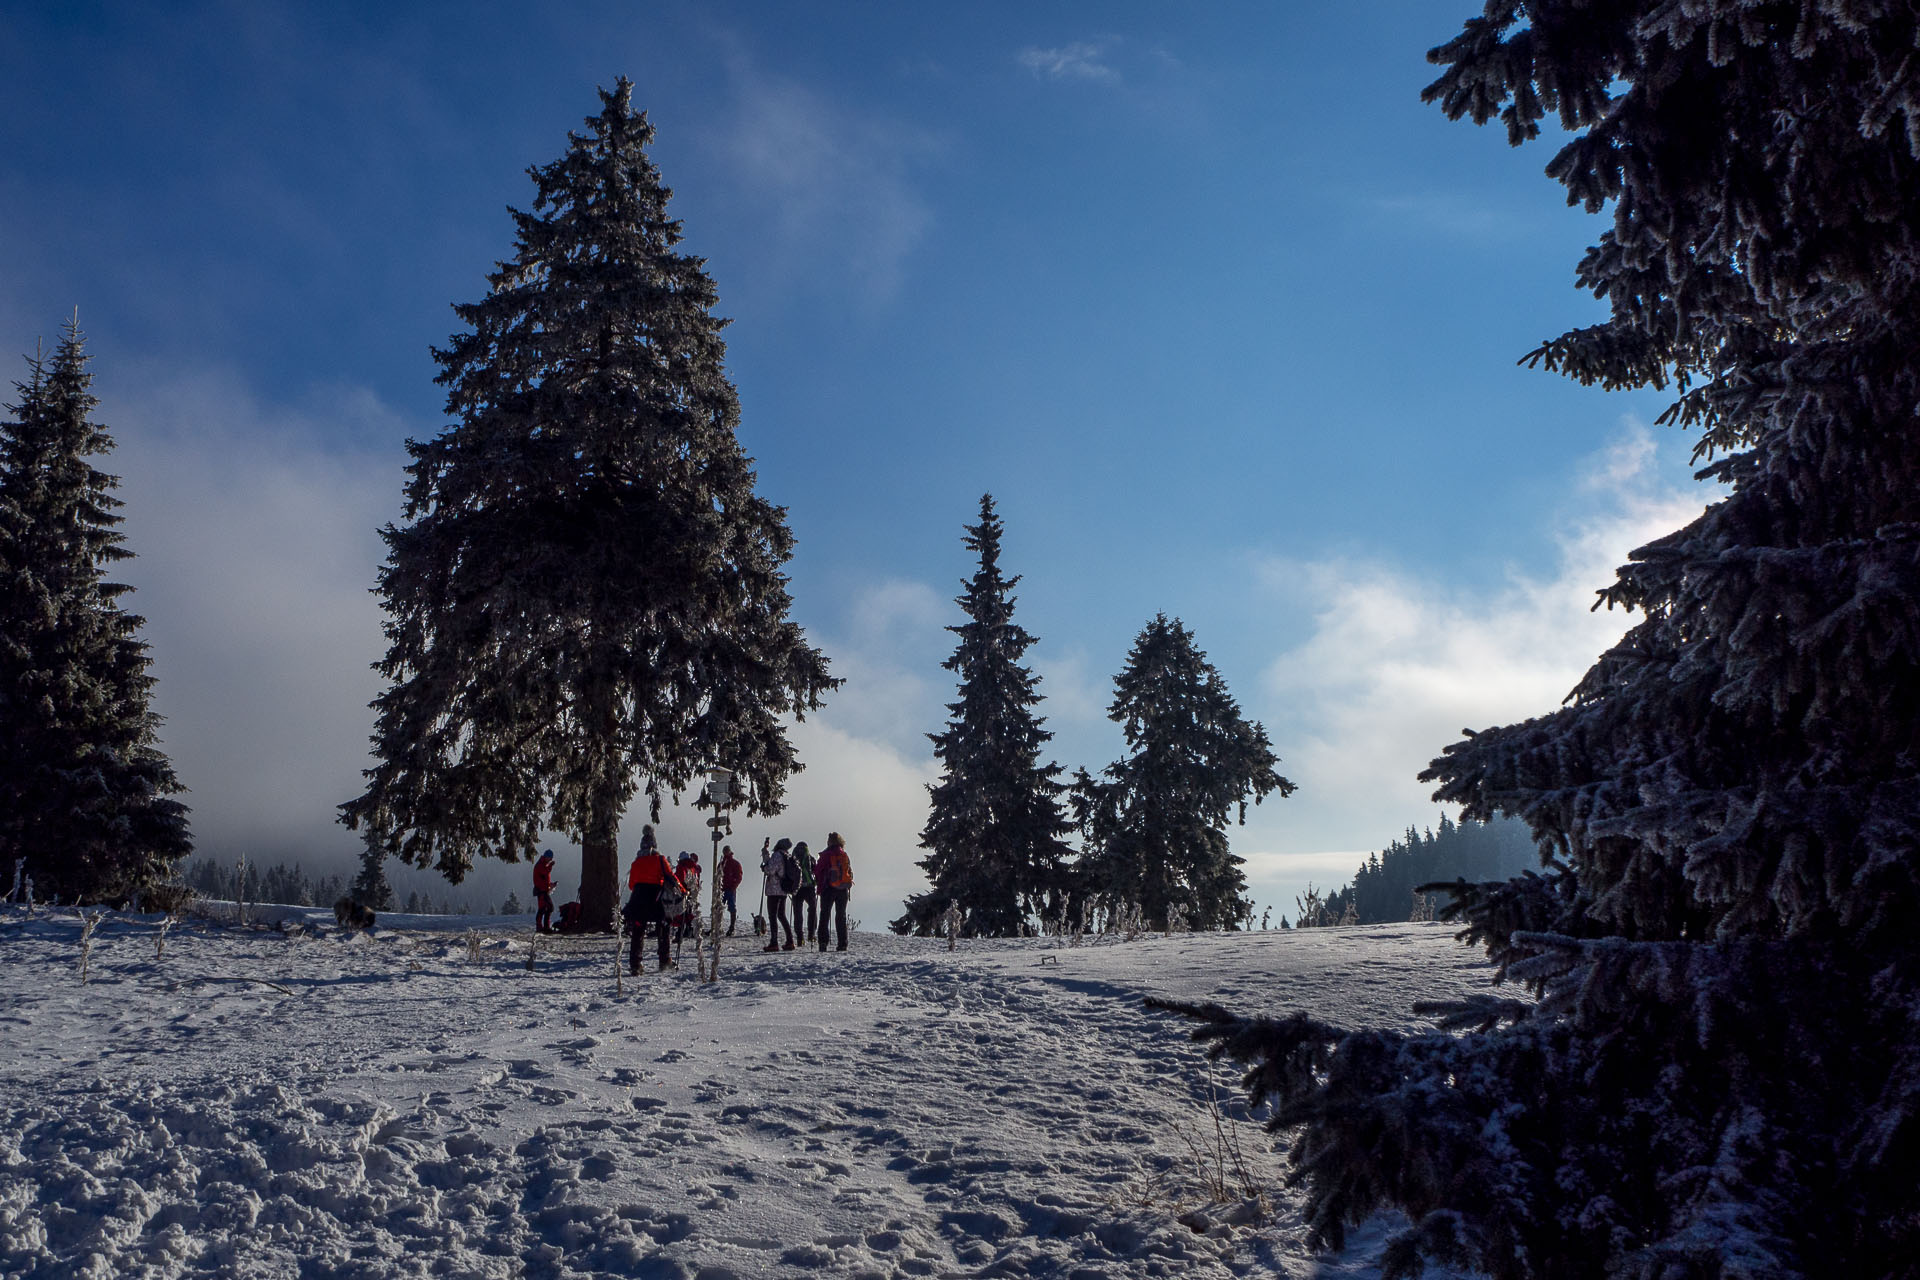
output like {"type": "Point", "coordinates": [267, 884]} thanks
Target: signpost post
{"type": "Point", "coordinates": [722, 793]}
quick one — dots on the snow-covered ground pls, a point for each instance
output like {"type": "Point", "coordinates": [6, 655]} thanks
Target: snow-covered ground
{"type": "Point", "coordinates": [296, 1102]}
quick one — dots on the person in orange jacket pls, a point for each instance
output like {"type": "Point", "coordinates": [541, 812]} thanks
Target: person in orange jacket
{"type": "Point", "coordinates": [543, 892]}
{"type": "Point", "coordinates": [648, 878]}
{"type": "Point", "coordinates": [834, 874]}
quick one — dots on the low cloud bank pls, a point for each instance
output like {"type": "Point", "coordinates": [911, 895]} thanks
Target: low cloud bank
{"type": "Point", "coordinates": [256, 533]}
{"type": "Point", "coordinates": [1397, 664]}
{"type": "Point", "coordinates": [256, 543]}
{"type": "Point", "coordinates": [256, 537]}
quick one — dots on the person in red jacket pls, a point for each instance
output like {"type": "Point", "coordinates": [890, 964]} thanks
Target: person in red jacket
{"type": "Point", "coordinates": [731, 874]}
{"type": "Point", "coordinates": [648, 878]}
{"type": "Point", "coordinates": [543, 892]}
{"type": "Point", "coordinates": [834, 874]}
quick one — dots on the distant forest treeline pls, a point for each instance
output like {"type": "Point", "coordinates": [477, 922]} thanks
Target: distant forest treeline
{"type": "Point", "coordinates": [289, 884]}
{"type": "Point", "coordinates": [1383, 888]}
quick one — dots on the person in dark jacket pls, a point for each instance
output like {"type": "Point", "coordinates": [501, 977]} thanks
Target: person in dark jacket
{"type": "Point", "coordinates": [647, 879]}
{"type": "Point", "coordinates": [800, 904]}
{"type": "Point", "coordinates": [543, 892]}
{"type": "Point", "coordinates": [834, 874]}
{"type": "Point", "coordinates": [731, 874]}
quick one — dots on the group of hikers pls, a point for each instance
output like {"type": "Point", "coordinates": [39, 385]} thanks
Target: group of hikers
{"type": "Point", "coordinates": [665, 896]}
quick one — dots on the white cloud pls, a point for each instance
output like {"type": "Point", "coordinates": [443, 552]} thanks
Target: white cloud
{"type": "Point", "coordinates": [257, 546]}
{"type": "Point", "coordinates": [1074, 695]}
{"type": "Point", "coordinates": [873, 795]}
{"type": "Point", "coordinates": [1458, 214]}
{"type": "Point", "coordinates": [1084, 60]}
{"type": "Point", "coordinates": [1397, 664]}
{"type": "Point", "coordinates": [833, 185]}
{"type": "Point", "coordinates": [869, 791]}
{"type": "Point", "coordinates": [897, 605]}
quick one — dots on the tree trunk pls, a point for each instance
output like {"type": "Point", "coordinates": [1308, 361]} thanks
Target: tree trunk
{"type": "Point", "coordinates": [600, 865]}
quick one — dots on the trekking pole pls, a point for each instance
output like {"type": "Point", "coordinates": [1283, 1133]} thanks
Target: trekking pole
{"type": "Point", "coordinates": [710, 974]}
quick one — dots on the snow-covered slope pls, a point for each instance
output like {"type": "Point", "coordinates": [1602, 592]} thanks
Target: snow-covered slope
{"type": "Point", "coordinates": [259, 1103]}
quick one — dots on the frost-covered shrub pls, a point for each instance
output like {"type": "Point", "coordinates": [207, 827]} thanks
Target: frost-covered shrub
{"type": "Point", "coordinates": [1721, 1073]}
{"type": "Point", "coordinates": [89, 921]}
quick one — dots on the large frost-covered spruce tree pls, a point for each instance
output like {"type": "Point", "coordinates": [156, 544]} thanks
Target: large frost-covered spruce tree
{"type": "Point", "coordinates": [1721, 1073]}
{"type": "Point", "coordinates": [588, 600]}
{"type": "Point", "coordinates": [1156, 822]}
{"type": "Point", "coordinates": [85, 791]}
{"type": "Point", "coordinates": [993, 835]}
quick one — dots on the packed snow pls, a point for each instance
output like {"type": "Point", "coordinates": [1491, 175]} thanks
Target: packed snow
{"type": "Point", "coordinates": [285, 1099]}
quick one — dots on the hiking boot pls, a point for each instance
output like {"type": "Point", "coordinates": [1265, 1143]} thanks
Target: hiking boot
{"type": "Point", "coordinates": [789, 945]}
{"type": "Point", "coordinates": [668, 965]}
{"type": "Point", "coordinates": [771, 946]}
{"type": "Point", "coordinates": [841, 947]}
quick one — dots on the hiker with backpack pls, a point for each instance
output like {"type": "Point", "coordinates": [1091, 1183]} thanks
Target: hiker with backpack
{"type": "Point", "coordinates": [543, 892]}
{"type": "Point", "coordinates": [654, 888]}
{"type": "Point", "coordinates": [834, 874]}
{"type": "Point", "coordinates": [687, 871]}
{"type": "Point", "coordinates": [803, 896]}
{"type": "Point", "coordinates": [782, 878]}
{"type": "Point", "coordinates": [731, 874]}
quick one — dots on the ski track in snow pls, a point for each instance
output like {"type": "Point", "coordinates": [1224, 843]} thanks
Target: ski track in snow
{"type": "Point", "coordinates": [306, 1104]}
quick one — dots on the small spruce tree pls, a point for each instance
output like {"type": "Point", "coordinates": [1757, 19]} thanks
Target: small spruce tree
{"type": "Point", "coordinates": [993, 833]}
{"type": "Point", "coordinates": [371, 888]}
{"type": "Point", "coordinates": [1156, 821]}
{"type": "Point", "coordinates": [589, 600]}
{"type": "Point", "coordinates": [1719, 1074]}
{"type": "Point", "coordinates": [85, 791]}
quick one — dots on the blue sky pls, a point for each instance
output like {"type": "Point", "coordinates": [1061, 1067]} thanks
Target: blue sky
{"type": "Point", "coordinates": [1224, 317]}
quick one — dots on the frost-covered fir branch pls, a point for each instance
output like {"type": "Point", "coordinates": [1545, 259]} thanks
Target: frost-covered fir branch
{"type": "Point", "coordinates": [1716, 1075]}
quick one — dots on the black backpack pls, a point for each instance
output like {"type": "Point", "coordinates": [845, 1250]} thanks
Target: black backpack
{"type": "Point", "coordinates": [789, 873]}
